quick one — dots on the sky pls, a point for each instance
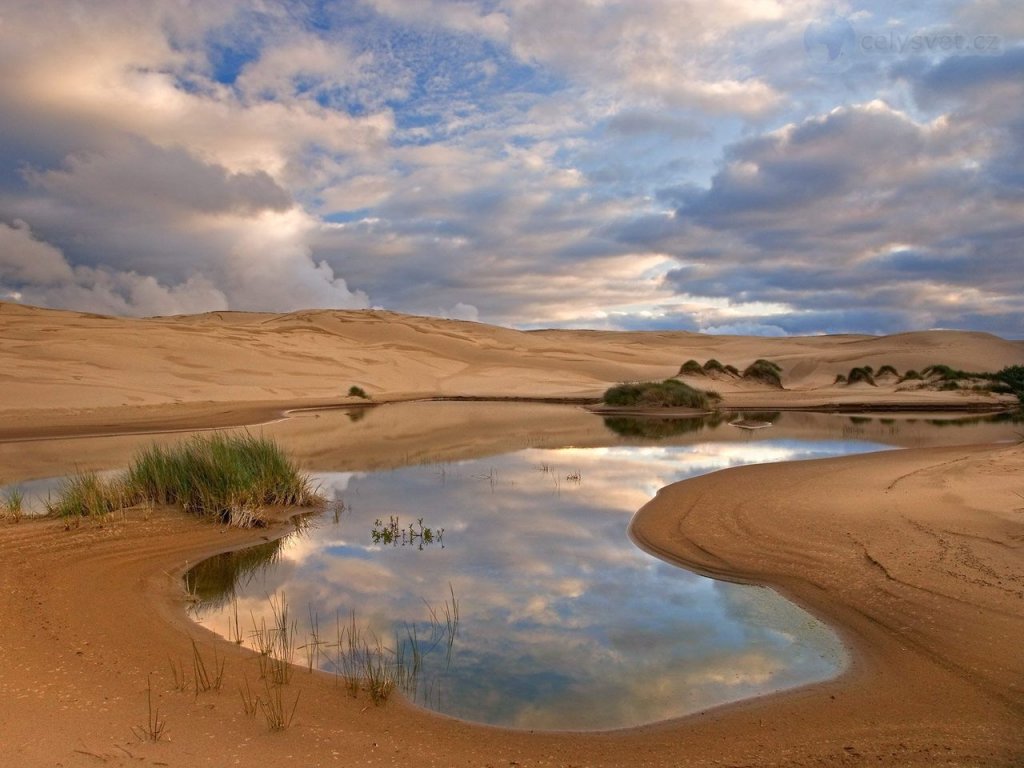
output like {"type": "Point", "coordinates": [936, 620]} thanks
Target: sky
{"type": "Point", "coordinates": [735, 166]}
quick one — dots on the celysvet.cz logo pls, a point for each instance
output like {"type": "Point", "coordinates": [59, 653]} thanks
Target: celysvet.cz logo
{"type": "Point", "coordinates": [833, 44]}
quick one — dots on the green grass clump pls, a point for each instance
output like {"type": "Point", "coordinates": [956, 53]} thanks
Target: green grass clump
{"type": "Point", "coordinates": [713, 366]}
{"type": "Point", "coordinates": [691, 368]}
{"type": "Point", "coordinates": [764, 371]}
{"type": "Point", "coordinates": [228, 477]}
{"type": "Point", "coordinates": [1013, 377]}
{"type": "Point", "coordinates": [732, 369]}
{"type": "Point", "coordinates": [861, 376]}
{"type": "Point", "coordinates": [840, 379]}
{"type": "Point", "coordinates": [664, 394]}
{"type": "Point", "coordinates": [12, 507]}
{"type": "Point", "coordinates": [355, 391]}
{"type": "Point", "coordinates": [945, 373]}
{"type": "Point", "coordinates": [911, 375]}
{"type": "Point", "coordinates": [88, 495]}
{"type": "Point", "coordinates": [887, 370]}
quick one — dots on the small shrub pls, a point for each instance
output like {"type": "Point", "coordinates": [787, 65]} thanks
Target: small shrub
{"type": "Point", "coordinates": [665, 394]}
{"type": "Point", "coordinates": [355, 391]}
{"type": "Point", "coordinates": [764, 371]}
{"type": "Point", "coordinates": [1013, 377]}
{"type": "Point", "coordinates": [945, 373]}
{"type": "Point", "coordinates": [887, 370]}
{"type": "Point", "coordinates": [861, 375]}
{"type": "Point", "coordinates": [911, 375]}
{"type": "Point", "coordinates": [691, 368]}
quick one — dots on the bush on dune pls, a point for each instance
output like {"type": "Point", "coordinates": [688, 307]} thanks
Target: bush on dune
{"type": "Point", "coordinates": [764, 371]}
{"type": "Point", "coordinates": [664, 394]}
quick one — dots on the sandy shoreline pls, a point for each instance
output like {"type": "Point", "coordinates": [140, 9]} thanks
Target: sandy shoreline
{"type": "Point", "coordinates": [914, 556]}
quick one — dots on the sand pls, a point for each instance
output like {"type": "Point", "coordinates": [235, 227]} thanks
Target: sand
{"type": "Point", "coordinates": [914, 556]}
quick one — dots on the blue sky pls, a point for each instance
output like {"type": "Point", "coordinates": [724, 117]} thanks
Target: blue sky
{"type": "Point", "coordinates": [753, 167]}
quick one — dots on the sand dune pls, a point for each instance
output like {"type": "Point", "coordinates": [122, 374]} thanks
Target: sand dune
{"type": "Point", "coordinates": [59, 364]}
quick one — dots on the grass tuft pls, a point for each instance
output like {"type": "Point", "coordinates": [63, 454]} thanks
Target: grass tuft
{"type": "Point", "coordinates": [691, 368]}
{"type": "Point", "coordinates": [861, 376]}
{"type": "Point", "coordinates": [227, 477]}
{"type": "Point", "coordinates": [355, 391]}
{"type": "Point", "coordinates": [155, 725]}
{"type": "Point", "coordinates": [764, 371]}
{"type": "Point", "coordinates": [12, 507]}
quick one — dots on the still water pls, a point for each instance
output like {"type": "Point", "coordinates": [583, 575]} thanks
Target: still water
{"type": "Point", "coordinates": [563, 623]}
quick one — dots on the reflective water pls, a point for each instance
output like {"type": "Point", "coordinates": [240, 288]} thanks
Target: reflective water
{"type": "Point", "coordinates": [563, 622]}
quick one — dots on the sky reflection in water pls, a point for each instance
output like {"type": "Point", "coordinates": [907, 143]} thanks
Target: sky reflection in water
{"type": "Point", "coordinates": [565, 623]}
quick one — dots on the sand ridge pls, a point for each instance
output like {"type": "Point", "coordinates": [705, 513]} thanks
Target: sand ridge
{"type": "Point", "coordinates": [55, 361]}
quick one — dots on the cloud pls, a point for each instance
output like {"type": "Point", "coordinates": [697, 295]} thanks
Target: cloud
{"type": "Point", "coordinates": [865, 208]}
{"type": "Point", "coordinates": [37, 273]}
{"type": "Point", "coordinates": [23, 259]}
{"type": "Point", "coordinates": [616, 164]}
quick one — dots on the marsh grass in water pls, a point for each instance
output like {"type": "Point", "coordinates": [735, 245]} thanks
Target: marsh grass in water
{"type": "Point", "coordinates": [227, 477]}
{"type": "Point", "coordinates": [415, 535]}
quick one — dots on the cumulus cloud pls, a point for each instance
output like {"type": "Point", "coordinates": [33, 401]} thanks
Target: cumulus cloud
{"type": "Point", "coordinates": [23, 259]}
{"type": "Point", "coordinates": [615, 164]}
{"type": "Point", "coordinates": [37, 273]}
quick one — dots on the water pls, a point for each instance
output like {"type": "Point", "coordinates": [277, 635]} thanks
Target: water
{"type": "Point", "coordinates": [563, 622]}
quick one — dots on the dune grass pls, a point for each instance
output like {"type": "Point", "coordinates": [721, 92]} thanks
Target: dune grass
{"type": "Point", "coordinates": [227, 477]}
{"type": "Point", "coordinates": [660, 394]}
{"type": "Point", "coordinates": [12, 507]}
{"type": "Point", "coordinates": [764, 371]}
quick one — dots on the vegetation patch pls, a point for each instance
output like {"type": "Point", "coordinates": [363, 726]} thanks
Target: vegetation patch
{"type": "Point", "coordinates": [227, 477]}
{"type": "Point", "coordinates": [861, 375]}
{"type": "Point", "coordinates": [887, 370]}
{"type": "Point", "coordinates": [664, 394]}
{"type": "Point", "coordinates": [764, 371]}
{"type": "Point", "coordinates": [691, 368]}
{"type": "Point", "coordinates": [355, 391]}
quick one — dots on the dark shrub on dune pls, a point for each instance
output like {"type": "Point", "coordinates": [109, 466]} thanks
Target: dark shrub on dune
{"type": "Point", "coordinates": [764, 371]}
{"type": "Point", "coordinates": [664, 394]}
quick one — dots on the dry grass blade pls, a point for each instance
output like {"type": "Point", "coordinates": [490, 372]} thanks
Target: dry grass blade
{"type": "Point", "coordinates": [250, 701]}
{"type": "Point", "coordinates": [155, 725]}
{"type": "Point", "coordinates": [275, 710]}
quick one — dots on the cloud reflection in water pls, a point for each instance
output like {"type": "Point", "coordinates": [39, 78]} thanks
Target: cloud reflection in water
{"type": "Point", "coordinates": [565, 624]}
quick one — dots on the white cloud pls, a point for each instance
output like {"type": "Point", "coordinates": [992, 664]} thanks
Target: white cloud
{"type": "Point", "coordinates": [23, 259]}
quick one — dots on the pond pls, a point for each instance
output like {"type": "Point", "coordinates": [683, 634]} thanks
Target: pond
{"type": "Point", "coordinates": [494, 579]}
{"type": "Point", "coordinates": [560, 621]}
